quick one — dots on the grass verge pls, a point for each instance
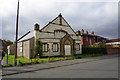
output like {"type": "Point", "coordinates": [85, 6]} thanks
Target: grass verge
{"type": "Point", "coordinates": [25, 61]}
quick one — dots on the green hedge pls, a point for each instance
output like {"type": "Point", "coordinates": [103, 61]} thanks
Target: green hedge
{"type": "Point", "coordinates": [91, 50]}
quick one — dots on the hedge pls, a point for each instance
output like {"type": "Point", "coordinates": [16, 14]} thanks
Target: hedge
{"type": "Point", "coordinates": [91, 50]}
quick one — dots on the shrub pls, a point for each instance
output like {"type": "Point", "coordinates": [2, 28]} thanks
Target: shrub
{"type": "Point", "coordinates": [8, 65]}
{"type": "Point", "coordinates": [21, 63]}
{"type": "Point", "coordinates": [38, 48]}
{"type": "Point", "coordinates": [94, 49]}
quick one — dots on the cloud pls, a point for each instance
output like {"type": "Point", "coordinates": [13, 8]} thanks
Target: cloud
{"type": "Point", "coordinates": [100, 17]}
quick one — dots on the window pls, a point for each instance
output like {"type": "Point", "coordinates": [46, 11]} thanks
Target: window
{"type": "Point", "coordinates": [86, 38]}
{"type": "Point", "coordinates": [94, 39]}
{"type": "Point", "coordinates": [77, 46]}
{"type": "Point", "coordinates": [90, 41]}
{"type": "Point", "coordinates": [45, 47]}
{"type": "Point", "coordinates": [21, 48]}
{"type": "Point", "coordinates": [55, 47]}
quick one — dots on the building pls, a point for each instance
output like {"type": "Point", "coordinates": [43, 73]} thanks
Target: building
{"type": "Point", "coordinates": [57, 37]}
{"type": "Point", "coordinates": [113, 46]}
{"type": "Point", "coordinates": [91, 39]}
{"type": "Point", "coordinates": [113, 42]}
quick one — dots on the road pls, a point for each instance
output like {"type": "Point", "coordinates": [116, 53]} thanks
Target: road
{"type": "Point", "coordinates": [106, 68]}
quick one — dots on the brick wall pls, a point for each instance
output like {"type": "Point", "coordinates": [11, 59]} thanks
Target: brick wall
{"type": "Point", "coordinates": [84, 40]}
{"type": "Point", "coordinates": [113, 50]}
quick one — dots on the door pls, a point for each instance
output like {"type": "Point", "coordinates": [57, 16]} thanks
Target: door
{"type": "Point", "coordinates": [67, 50]}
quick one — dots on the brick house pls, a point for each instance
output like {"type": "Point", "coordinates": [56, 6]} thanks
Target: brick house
{"type": "Point", "coordinates": [113, 46]}
{"type": "Point", "coordinates": [91, 39]}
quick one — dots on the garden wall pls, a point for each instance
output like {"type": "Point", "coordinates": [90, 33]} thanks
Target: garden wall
{"type": "Point", "coordinates": [113, 50]}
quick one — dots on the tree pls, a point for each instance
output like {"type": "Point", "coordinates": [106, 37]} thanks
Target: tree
{"type": "Point", "coordinates": [9, 41]}
{"type": "Point", "coordinates": [38, 48]}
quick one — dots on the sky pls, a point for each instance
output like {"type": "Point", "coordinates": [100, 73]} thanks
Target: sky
{"type": "Point", "coordinates": [100, 16]}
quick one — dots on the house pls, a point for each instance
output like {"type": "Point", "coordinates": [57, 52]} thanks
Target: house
{"type": "Point", "coordinates": [11, 49]}
{"type": "Point", "coordinates": [113, 42]}
{"type": "Point", "coordinates": [113, 46]}
{"type": "Point", "coordinates": [91, 39]}
{"type": "Point", "coordinates": [57, 37]}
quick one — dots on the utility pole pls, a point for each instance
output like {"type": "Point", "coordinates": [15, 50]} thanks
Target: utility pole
{"type": "Point", "coordinates": [16, 34]}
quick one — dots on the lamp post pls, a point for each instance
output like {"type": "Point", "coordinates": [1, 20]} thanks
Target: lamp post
{"type": "Point", "coordinates": [16, 34]}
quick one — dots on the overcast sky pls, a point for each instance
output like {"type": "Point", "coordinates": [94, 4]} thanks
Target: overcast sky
{"type": "Point", "coordinates": [100, 16]}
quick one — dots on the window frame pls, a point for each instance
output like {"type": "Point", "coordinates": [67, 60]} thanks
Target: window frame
{"type": "Point", "coordinates": [56, 50]}
{"type": "Point", "coordinates": [45, 44]}
{"type": "Point", "coordinates": [90, 41]}
{"type": "Point", "coordinates": [87, 38]}
{"type": "Point", "coordinates": [77, 48]}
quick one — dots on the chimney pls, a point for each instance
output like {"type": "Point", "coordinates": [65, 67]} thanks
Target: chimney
{"type": "Point", "coordinates": [86, 32]}
{"type": "Point", "coordinates": [36, 27]}
{"type": "Point", "coordinates": [78, 32]}
{"type": "Point", "coordinates": [92, 33]}
{"type": "Point", "coordinates": [82, 31]}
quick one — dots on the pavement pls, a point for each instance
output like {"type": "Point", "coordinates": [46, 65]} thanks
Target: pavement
{"type": "Point", "coordinates": [43, 66]}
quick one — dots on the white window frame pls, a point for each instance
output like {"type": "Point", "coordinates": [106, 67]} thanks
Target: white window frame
{"type": "Point", "coordinates": [44, 47]}
{"type": "Point", "coordinates": [55, 47]}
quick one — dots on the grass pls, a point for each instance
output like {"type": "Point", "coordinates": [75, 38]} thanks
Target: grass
{"type": "Point", "coordinates": [21, 60]}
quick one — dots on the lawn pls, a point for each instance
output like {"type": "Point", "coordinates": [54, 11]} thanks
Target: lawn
{"type": "Point", "coordinates": [21, 60]}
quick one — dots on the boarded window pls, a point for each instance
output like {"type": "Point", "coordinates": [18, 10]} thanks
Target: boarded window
{"type": "Point", "coordinates": [55, 47]}
{"type": "Point", "coordinates": [45, 47]}
{"type": "Point", "coordinates": [77, 46]}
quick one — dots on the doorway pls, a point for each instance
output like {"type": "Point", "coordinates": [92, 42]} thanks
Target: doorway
{"type": "Point", "coordinates": [67, 50]}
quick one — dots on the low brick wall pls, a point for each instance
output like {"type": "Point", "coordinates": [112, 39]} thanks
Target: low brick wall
{"type": "Point", "coordinates": [113, 50]}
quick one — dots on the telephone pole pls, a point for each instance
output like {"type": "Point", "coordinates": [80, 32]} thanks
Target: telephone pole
{"type": "Point", "coordinates": [16, 34]}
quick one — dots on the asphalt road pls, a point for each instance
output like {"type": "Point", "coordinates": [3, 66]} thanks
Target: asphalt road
{"type": "Point", "coordinates": [106, 68]}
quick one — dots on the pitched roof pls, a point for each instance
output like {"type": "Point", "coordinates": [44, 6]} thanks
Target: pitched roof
{"type": "Point", "coordinates": [58, 23]}
{"type": "Point", "coordinates": [60, 20]}
{"type": "Point", "coordinates": [27, 36]}
{"type": "Point", "coordinates": [23, 36]}
{"type": "Point", "coordinates": [113, 40]}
